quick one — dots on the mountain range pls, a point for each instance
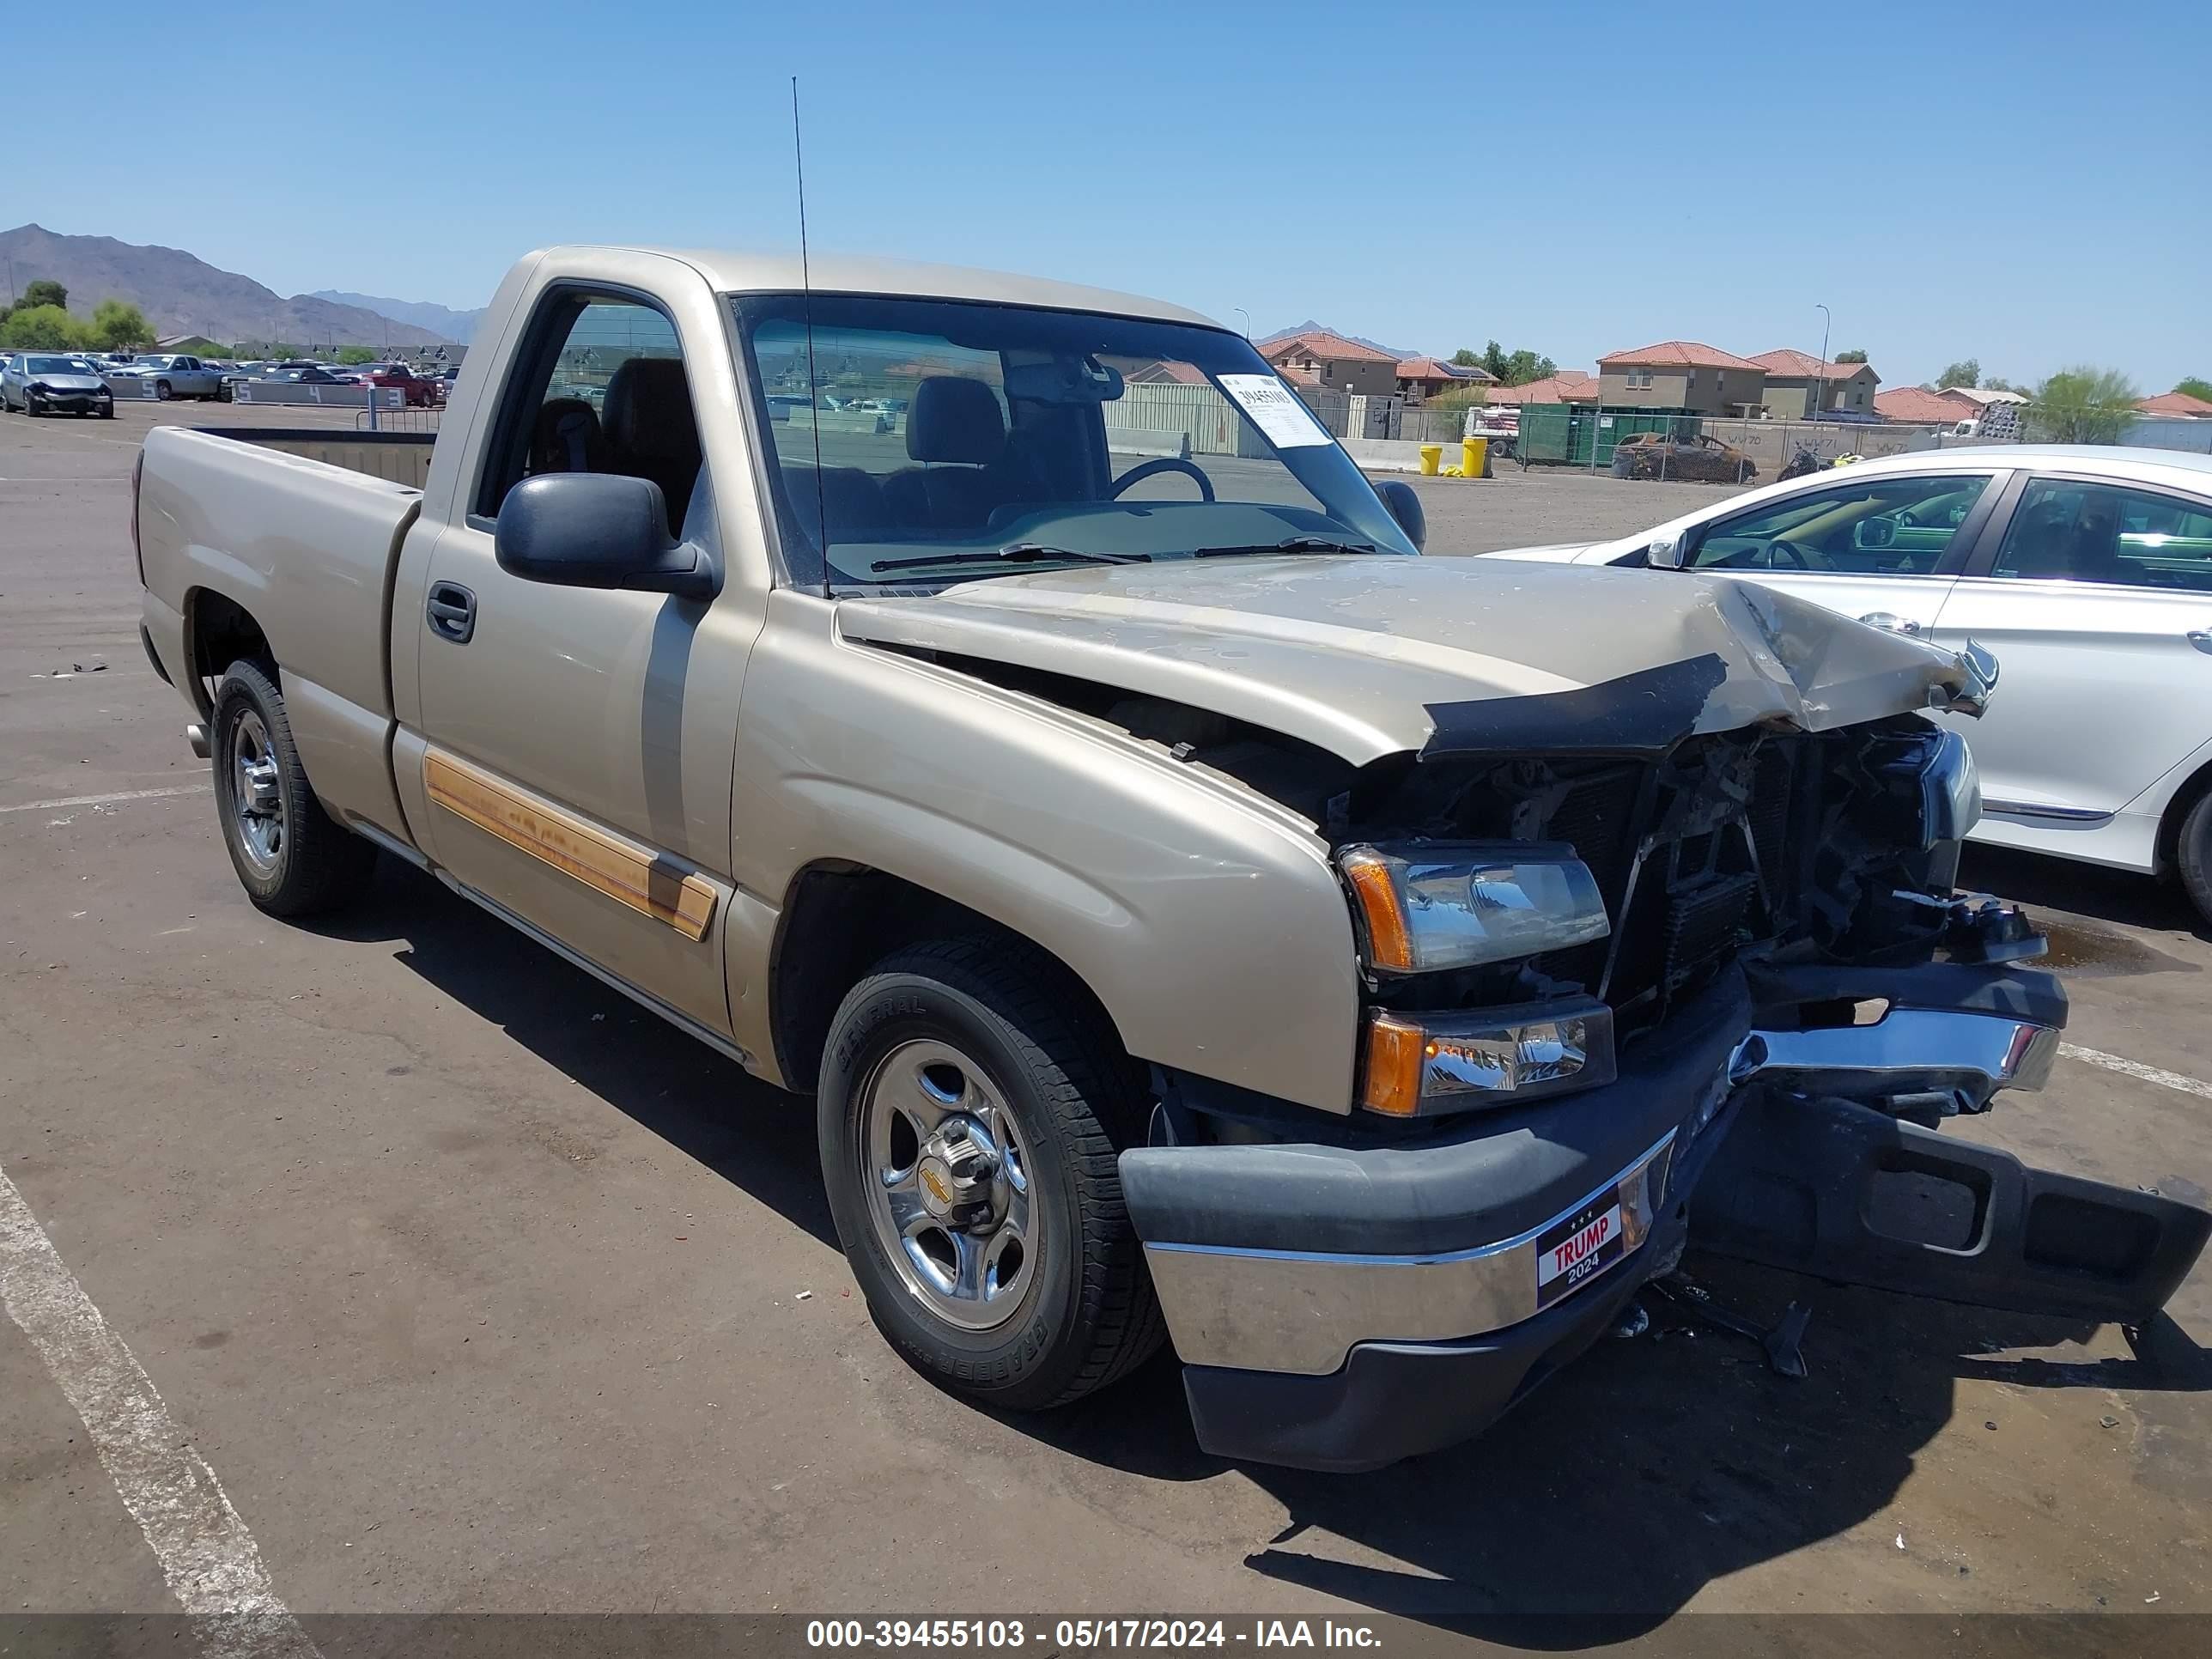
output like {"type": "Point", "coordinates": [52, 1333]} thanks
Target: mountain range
{"type": "Point", "coordinates": [1310, 326]}
{"type": "Point", "coordinates": [183, 295]}
{"type": "Point", "coordinates": [421, 313]}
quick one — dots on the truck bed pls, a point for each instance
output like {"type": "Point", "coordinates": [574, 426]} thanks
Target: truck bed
{"type": "Point", "coordinates": [400, 458]}
{"type": "Point", "coordinates": [302, 531]}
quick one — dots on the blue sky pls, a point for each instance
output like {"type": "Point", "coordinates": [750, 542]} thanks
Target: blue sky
{"type": "Point", "coordinates": [2028, 184]}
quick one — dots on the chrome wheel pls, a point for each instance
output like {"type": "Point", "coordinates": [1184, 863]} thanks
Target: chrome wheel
{"type": "Point", "coordinates": [256, 798]}
{"type": "Point", "coordinates": [947, 1180]}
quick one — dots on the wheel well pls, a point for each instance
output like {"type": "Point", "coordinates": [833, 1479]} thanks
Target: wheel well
{"type": "Point", "coordinates": [218, 631]}
{"type": "Point", "coordinates": [841, 920]}
{"type": "Point", "coordinates": [2177, 810]}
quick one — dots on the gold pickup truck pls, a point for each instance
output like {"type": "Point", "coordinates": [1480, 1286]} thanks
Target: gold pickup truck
{"type": "Point", "coordinates": [1000, 710]}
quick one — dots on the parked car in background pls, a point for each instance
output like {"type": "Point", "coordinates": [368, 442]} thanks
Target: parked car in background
{"type": "Point", "coordinates": [174, 375]}
{"type": "Point", "coordinates": [51, 383]}
{"type": "Point", "coordinates": [1701, 459]}
{"type": "Point", "coordinates": [2087, 570]}
{"type": "Point", "coordinates": [418, 390]}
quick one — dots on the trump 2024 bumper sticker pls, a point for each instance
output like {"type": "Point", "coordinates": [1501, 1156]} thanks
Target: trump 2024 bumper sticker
{"type": "Point", "coordinates": [1579, 1248]}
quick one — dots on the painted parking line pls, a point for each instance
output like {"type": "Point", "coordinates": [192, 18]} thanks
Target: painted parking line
{"type": "Point", "coordinates": [169, 794]}
{"type": "Point", "coordinates": [2136, 1069]}
{"type": "Point", "coordinates": [210, 1561]}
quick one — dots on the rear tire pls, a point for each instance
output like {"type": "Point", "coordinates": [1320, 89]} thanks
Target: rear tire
{"type": "Point", "coordinates": [292, 857]}
{"type": "Point", "coordinates": [987, 1033]}
{"type": "Point", "coordinates": [2192, 852]}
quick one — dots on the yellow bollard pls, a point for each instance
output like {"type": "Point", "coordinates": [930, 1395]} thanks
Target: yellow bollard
{"type": "Point", "coordinates": [1474, 457]}
{"type": "Point", "coordinates": [1430, 455]}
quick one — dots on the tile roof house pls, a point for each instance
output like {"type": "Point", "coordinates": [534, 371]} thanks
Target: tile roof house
{"type": "Point", "coordinates": [2182, 403]}
{"type": "Point", "coordinates": [1164, 373]}
{"type": "Point", "coordinates": [1333, 361]}
{"type": "Point", "coordinates": [1918, 405]}
{"type": "Point", "coordinates": [1681, 374]}
{"type": "Point", "coordinates": [1792, 378]}
{"type": "Point", "coordinates": [1420, 378]}
{"type": "Point", "coordinates": [1568, 385]}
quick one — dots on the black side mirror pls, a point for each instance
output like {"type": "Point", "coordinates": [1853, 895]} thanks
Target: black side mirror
{"type": "Point", "coordinates": [599, 530]}
{"type": "Point", "coordinates": [1405, 505]}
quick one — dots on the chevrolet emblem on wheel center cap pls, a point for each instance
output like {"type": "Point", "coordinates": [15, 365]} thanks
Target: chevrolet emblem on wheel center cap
{"type": "Point", "coordinates": [934, 1181]}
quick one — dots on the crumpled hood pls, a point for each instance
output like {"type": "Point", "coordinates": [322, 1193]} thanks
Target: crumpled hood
{"type": "Point", "coordinates": [66, 382]}
{"type": "Point", "coordinates": [1368, 655]}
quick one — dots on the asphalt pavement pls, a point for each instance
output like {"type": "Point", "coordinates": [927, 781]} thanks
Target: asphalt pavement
{"type": "Point", "coordinates": [476, 1288]}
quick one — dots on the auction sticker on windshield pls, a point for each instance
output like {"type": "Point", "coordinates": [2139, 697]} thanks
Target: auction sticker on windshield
{"type": "Point", "coordinates": [1275, 410]}
{"type": "Point", "coordinates": [1578, 1248]}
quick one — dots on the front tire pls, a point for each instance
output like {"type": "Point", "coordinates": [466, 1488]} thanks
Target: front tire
{"type": "Point", "coordinates": [162, 391]}
{"type": "Point", "coordinates": [292, 857]}
{"type": "Point", "coordinates": [970, 1115]}
{"type": "Point", "coordinates": [2193, 854]}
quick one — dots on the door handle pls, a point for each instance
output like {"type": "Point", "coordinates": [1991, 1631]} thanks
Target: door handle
{"type": "Point", "coordinates": [451, 611]}
{"type": "Point", "coordinates": [1889, 623]}
{"type": "Point", "coordinates": [2202, 639]}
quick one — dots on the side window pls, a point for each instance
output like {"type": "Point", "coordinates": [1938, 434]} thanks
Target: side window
{"type": "Point", "coordinates": [600, 389]}
{"type": "Point", "coordinates": [2090, 532]}
{"type": "Point", "coordinates": [1884, 525]}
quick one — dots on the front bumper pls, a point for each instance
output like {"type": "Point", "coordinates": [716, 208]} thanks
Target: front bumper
{"type": "Point", "coordinates": [1341, 1307]}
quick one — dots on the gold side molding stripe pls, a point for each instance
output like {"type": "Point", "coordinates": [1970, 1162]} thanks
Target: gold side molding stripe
{"type": "Point", "coordinates": [631, 875]}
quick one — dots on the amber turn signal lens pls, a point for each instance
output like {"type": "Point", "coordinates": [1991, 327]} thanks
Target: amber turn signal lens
{"type": "Point", "coordinates": [1388, 945]}
{"type": "Point", "coordinates": [1390, 1079]}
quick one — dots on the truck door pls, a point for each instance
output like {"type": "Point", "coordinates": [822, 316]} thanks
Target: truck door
{"type": "Point", "coordinates": [1882, 548]}
{"type": "Point", "coordinates": [580, 740]}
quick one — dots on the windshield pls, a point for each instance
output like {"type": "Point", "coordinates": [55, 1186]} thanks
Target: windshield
{"type": "Point", "coordinates": [957, 440]}
{"type": "Point", "coordinates": [57, 366]}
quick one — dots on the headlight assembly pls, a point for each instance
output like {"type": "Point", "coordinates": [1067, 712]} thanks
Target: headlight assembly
{"type": "Point", "coordinates": [1416, 1065]}
{"type": "Point", "coordinates": [1459, 905]}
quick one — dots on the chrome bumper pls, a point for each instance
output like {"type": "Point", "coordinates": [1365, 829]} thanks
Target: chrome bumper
{"type": "Point", "coordinates": [1907, 1051]}
{"type": "Point", "coordinates": [1302, 1312]}
{"type": "Point", "coordinates": [1298, 1311]}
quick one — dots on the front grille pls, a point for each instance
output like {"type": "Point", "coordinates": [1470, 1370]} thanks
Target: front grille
{"type": "Point", "coordinates": [1715, 872]}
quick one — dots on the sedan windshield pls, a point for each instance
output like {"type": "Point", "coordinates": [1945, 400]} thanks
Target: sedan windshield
{"type": "Point", "coordinates": [57, 366]}
{"type": "Point", "coordinates": [918, 442]}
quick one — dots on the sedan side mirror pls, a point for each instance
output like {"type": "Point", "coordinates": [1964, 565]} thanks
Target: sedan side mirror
{"type": "Point", "coordinates": [1665, 553]}
{"type": "Point", "coordinates": [599, 530]}
{"type": "Point", "coordinates": [1405, 507]}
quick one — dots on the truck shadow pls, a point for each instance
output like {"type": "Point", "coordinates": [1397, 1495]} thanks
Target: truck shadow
{"type": "Point", "coordinates": [1644, 1471]}
{"type": "Point", "coordinates": [757, 1138]}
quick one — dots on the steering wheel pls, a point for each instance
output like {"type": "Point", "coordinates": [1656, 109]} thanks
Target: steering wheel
{"type": "Point", "coordinates": [1145, 470]}
{"type": "Point", "coordinates": [1799, 556]}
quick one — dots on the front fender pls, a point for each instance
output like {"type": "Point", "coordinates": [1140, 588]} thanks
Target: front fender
{"type": "Point", "coordinates": [1207, 921]}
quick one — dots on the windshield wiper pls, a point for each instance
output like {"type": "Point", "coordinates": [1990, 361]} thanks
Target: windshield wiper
{"type": "Point", "coordinates": [1288, 545]}
{"type": "Point", "coordinates": [1013, 553]}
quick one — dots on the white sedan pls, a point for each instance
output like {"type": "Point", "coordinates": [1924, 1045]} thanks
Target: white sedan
{"type": "Point", "coordinates": [2087, 571]}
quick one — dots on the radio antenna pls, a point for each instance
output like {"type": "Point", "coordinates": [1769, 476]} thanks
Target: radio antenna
{"type": "Point", "coordinates": [807, 302]}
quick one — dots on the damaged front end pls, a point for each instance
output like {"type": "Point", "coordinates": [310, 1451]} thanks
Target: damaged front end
{"type": "Point", "coordinates": [1627, 990]}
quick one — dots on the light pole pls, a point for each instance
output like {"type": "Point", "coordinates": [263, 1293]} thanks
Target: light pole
{"type": "Point", "coordinates": [1820, 385]}
{"type": "Point", "coordinates": [1247, 316]}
